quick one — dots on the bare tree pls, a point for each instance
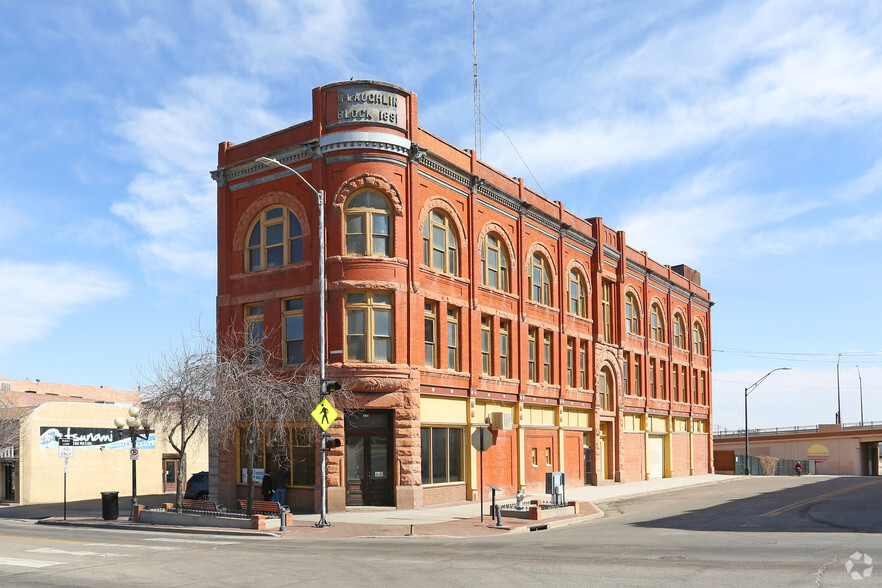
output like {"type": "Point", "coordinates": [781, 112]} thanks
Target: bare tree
{"type": "Point", "coordinates": [177, 390]}
{"type": "Point", "coordinates": [258, 397]}
{"type": "Point", "coordinates": [10, 424]}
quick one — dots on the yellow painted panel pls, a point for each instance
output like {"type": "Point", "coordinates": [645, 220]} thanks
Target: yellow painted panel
{"type": "Point", "coordinates": [576, 418]}
{"type": "Point", "coordinates": [681, 425]}
{"type": "Point", "coordinates": [483, 410]}
{"type": "Point", "coordinates": [658, 424]}
{"type": "Point", "coordinates": [444, 410]}
{"type": "Point", "coordinates": [539, 415]}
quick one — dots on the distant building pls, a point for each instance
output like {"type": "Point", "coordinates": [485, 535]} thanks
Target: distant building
{"type": "Point", "coordinates": [458, 298]}
{"type": "Point", "coordinates": [40, 414]}
{"type": "Point", "coordinates": [836, 449]}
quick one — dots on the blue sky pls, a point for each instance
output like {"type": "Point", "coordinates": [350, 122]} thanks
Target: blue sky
{"type": "Point", "coordinates": [739, 137]}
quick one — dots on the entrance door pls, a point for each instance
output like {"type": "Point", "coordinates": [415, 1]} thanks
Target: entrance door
{"type": "Point", "coordinates": [655, 457]}
{"type": "Point", "coordinates": [170, 469]}
{"type": "Point", "coordinates": [605, 450]}
{"type": "Point", "coordinates": [8, 481]}
{"type": "Point", "coordinates": [369, 459]}
{"type": "Point", "coordinates": [586, 448]}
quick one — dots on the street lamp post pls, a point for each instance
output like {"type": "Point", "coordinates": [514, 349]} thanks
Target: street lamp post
{"type": "Point", "coordinates": [320, 198]}
{"type": "Point", "coordinates": [838, 394]}
{"type": "Point", "coordinates": [861, 383]}
{"type": "Point", "coordinates": [747, 392]}
{"type": "Point", "coordinates": [138, 429]}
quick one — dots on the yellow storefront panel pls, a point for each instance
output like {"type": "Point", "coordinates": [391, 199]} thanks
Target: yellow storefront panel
{"type": "Point", "coordinates": [444, 410]}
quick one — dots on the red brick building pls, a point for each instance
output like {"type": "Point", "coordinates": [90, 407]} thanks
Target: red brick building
{"type": "Point", "coordinates": [457, 298]}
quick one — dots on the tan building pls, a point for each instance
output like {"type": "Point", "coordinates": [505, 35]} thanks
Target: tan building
{"type": "Point", "coordinates": [32, 471]}
{"type": "Point", "coordinates": [836, 450]}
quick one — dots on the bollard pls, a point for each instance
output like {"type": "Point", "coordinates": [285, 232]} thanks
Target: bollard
{"type": "Point", "coordinates": [498, 514]}
{"type": "Point", "coordinates": [283, 526]}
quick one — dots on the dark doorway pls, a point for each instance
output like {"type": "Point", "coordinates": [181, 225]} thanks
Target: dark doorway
{"type": "Point", "coordinates": [8, 480]}
{"type": "Point", "coordinates": [586, 448]}
{"type": "Point", "coordinates": [369, 459]}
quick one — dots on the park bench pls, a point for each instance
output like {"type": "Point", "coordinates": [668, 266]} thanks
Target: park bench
{"type": "Point", "coordinates": [263, 506]}
{"type": "Point", "coordinates": [189, 503]}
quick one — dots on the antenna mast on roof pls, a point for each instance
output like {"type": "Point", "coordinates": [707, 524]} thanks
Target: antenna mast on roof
{"type": "Point", "coordinates": [477, 83]}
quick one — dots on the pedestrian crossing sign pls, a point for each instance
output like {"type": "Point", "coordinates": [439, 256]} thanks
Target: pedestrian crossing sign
{"type": "Point", "coordinates": [324, 414]}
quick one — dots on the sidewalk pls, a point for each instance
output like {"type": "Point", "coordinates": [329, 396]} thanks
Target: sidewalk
{"type": "Point", "coordinates": [459, 520]}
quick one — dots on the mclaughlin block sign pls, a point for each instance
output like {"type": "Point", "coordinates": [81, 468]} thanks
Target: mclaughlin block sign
{"type": "Point", "coordinates": [91, 437]}
{"type": "Point", "coordinates": [369, 105]}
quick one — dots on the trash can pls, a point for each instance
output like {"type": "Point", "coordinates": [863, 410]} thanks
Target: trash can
{"type": "Point", "coordinates": [110, 505]}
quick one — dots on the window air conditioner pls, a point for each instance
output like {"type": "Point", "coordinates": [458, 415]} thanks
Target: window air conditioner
{"type": "Point", "coordinates": [500, 421]}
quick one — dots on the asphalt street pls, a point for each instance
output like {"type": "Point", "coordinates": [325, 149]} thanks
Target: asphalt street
{"type": "Point", "coordinates": [755, 532]}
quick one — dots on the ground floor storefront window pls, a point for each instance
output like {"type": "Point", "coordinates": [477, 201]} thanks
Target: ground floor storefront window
{"type": "Point", "coordinates": [442, 458]}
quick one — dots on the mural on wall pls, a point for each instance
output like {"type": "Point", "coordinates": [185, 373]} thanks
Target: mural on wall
{"type": "Point", "coordinates": [94, 437]}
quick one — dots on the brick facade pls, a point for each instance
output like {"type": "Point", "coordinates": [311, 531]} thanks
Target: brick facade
{"type": "Point", "coordinates": [364, 138]}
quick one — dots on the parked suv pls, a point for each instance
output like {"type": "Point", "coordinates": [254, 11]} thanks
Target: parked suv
{"type": "Point", "coordinates": [197, 486]}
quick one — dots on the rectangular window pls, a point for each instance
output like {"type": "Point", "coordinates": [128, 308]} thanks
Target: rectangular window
{"type": "Point", "coordinates": [546, 358]}
{"type": "Point", "coordinates": [662, 380]}
{"type": "Point", "coordinates": [534, 457]}
{"type": "Point", "coordinates": [292, 318]}
{"type": "Point", "coordinates": [684, 391]}
{"type": "Point", "coordinates": [607, 311]}
{"type": "Point", "coordinates": [638, 375]}
{"type": "Point", "coordinates": [695, 387]}
{"type": "Point", "coordinates": [254, 332]}
{"type": "Point", "coordinates": [369, 326]}
{"type": "Point", "coordinates": [571, 362]}
{"type": "Point", "coordinates": [504, 349]}
{"type": "Point", "coordinates": [583, 365]}
{"type": "Point", "coordinates": [441, 454]}
{"type": "Point", "coordinates": [675, 381]}
{"type": "Point", "coordinates": [532, 354]}
{"type": "Point", "coordinates": [626, 376]}
{"type": "Point", "coordinates": [430, 330]}
{"type": "Point", "coordinates": [548, 456]}
{"type": "Point", "coordinates": [486, 345]}
{"type": "Point", "coordinates": [703, 389]}
{"type": "Point", "coordinates": [452, 338]}
{"type": "Point", "coordinates": [652, 391]}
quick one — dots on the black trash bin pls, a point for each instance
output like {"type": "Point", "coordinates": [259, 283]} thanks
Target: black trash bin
{"type": "Point", "coordinates": [110, 505]}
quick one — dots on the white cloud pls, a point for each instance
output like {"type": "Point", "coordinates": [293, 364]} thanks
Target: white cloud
{"type": "Point", "coordinates": [716, 78]}
{"type": "Point", "coordinates": [35, 297]}
{"type": "Point", "coordinates": [174, 200]}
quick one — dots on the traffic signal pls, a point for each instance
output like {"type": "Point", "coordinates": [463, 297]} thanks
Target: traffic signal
{"type": "Point", "coordinates": [330, 387]}
{"type": "Point", "coordinates": [332, 443]}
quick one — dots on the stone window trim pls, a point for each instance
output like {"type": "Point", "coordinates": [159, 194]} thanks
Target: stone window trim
{"type": "Point", "coordinates": [367, 181]}
{"type": "Point", "coordinates": [261, 203]}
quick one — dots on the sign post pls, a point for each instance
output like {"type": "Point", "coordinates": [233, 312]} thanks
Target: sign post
{"type": "Point", "coordinates": [324, 414]}
{"type": "Point", "coordinates": [482, 440]}
{"type": "Point", "coordinates": [65, 450]}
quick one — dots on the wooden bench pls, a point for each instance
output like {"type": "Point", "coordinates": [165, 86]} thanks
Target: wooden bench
{"type": "Point", "coordinates": [199, 504]}
{"type": "Point", "coordinates": [262, 506]}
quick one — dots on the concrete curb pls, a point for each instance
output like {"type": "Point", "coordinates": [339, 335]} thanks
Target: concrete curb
{"type": "Point", "coordinates": [160, 528]}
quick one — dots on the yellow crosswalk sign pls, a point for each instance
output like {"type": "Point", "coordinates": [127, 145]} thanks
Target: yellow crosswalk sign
{"type": "Point", "coordinates": [324, 414]}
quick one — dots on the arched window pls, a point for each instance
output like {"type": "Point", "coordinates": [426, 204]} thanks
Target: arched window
{"type": "Point", "coordinates": [679, 332]}
{"type": "Point", "coordinates": [367, 224]}
{"type": "Point", "coordinates": [440, 245]}
{"type": "Point", "coordinates": [656, 324]}
{"type": "Point", "coordinates": [494, 263]}
{"type": "Point", "coordinates": [540, 284]}
{"type": "Point", "coordinates": [632, 314]}
{"type": "Point", "coordinates": [276, 239]}
{"type": "Point", "coordinates": [604, 389]}
{"type": "Point", "coordinates": [697, 339]}
{"type": "Point", "coordinates": [577, 294]}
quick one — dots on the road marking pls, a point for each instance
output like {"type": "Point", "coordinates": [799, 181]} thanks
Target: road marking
{"type": "Point", "coordinates": [777, 511]}
{"type": "Point", "coordinates": [53, 551]}
{"type": "Point", "coordinates": [27, 563]}
{"type": "Point", "coordinates": [44, 540]}
{"type": "Point", "coordinates": [174, 540]}
{"type": "Point", "coordinates": [133, 546]}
